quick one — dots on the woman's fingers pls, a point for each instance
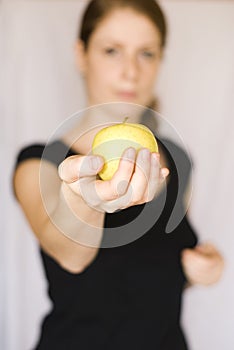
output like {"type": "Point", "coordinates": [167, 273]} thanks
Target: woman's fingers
{"type": "Point", "coordinates": [149, 178]}
{"type": "Point", "coordinates": [140, 179]}
{"type": "Point", "coordinates": [154, 178]}
{"type": "Point", "coordinates": [136, 181]}
{"type": "Point", "coordinates": [202, 264]}
{"type": "Point", "coordinates": [143, 177]}
{"type": "Point", "coordinates": [133, 184]}
{"type": "Point", "coordinates": [97, 193]}
{"type": "Point", "coordinates": [118, 185]}
{"type": "Point", "coordinates": [157, 177]}
{"type": "Point", "coordinates": [75, 167]}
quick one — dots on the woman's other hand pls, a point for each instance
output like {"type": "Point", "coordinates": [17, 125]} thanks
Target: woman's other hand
{"type": "Point", "coordinates": [137, 180]}
{"type": "Point", "coordinates": [203, 264]}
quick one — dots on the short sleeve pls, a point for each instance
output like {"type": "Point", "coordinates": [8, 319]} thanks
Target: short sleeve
{"type": "Point", "coordinates": [54, 152]}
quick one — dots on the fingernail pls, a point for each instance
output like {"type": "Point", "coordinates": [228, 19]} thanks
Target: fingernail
{"type": "Point", "coordinates": [131, 153]}
{"type": "Point", "coordinates": [165, 172]}
{"type": "Point", "coordinates": [95, 162]}
{"type": "Point", "coordinates": [157, 155]}
{"type": "Point", "coordinates": [145, 153]}
{"type": "Point", "coordinates": [156, 158]}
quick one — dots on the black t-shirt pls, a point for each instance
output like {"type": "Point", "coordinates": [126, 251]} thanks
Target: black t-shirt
{"type": "Point", "coordinates": [129, 297]}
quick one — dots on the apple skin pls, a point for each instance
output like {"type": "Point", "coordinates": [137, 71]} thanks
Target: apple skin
{"type": "Point", "coordinates": [111, 141]}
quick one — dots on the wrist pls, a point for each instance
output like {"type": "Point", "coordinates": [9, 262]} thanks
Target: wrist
{"type": "Point", "coordinates": [76, 220]}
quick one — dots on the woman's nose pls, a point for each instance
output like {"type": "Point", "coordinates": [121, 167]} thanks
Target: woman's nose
{"type": "Point", "coordinates": [130, 68]}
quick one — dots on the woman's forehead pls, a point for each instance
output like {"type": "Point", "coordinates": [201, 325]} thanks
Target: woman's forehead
{"type": "Point", "coordinates": [127, 25]}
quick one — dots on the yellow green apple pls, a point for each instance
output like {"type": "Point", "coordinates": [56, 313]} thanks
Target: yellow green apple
{"type": "Point", "coordinates": [111, 141]}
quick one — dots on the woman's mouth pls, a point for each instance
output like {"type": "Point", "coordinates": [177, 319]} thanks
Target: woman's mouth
{"type": "Point", "coordinates": [127, 95]}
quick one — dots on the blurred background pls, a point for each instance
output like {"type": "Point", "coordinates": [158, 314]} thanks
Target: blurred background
{"type": "Point", "coordinates": [40, 87]}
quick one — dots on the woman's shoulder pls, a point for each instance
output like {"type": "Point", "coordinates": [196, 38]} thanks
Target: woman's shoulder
{"type": "Point", "coordinates": [34, 150]}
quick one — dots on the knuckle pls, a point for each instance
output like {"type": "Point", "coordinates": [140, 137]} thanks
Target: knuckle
{"type": "Point", "coordinates": [109, 209]}
{"type": "Point", "coordinates": [92, 202]}
{"type": "Point", "coordinates": [147, 199]}
{"type": "Point", "coordinates": [128, 166]}
{"type": "Point", "coordinates": [126, 163]}
{"type": "Point", "coordinates": [114, 194]}
{"type": "Point", "coordinates": [61, 170]}
{"type": "Point", "coordinates": [137, 199]}
{"type": "Point", "coordinates": [66, 169]}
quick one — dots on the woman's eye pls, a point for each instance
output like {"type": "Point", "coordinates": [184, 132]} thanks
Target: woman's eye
{"type": "Point", "coordinates": [148, 54]}
{"type": "Point", "coordinates": [111, 51]}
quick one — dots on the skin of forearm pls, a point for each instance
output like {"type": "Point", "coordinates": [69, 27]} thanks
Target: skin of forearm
{"type": "Point", "coordinates": [72, 239]}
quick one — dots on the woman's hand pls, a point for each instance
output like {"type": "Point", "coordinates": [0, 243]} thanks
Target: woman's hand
{"type": "Point", "coordinates": [137, 180]}
{"type": "Point", "coordinates": [203, 264]}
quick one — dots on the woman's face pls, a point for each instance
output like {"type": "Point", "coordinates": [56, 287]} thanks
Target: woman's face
{"type": "Point", "coordinates": [122, 59]}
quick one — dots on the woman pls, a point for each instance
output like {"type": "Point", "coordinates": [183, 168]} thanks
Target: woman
{"type": "Point", "coordinates": [127, 296]}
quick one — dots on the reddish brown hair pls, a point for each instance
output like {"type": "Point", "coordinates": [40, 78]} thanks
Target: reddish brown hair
{"type": "Point", "coordinates": [98, 9]}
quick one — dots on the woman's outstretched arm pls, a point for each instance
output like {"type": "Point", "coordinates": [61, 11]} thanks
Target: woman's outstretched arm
{"type": "Point", "coordinates": [66, 208]}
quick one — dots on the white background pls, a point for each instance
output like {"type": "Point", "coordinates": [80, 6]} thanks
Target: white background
{"type": "Point", "coordinates": [41, 87]}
